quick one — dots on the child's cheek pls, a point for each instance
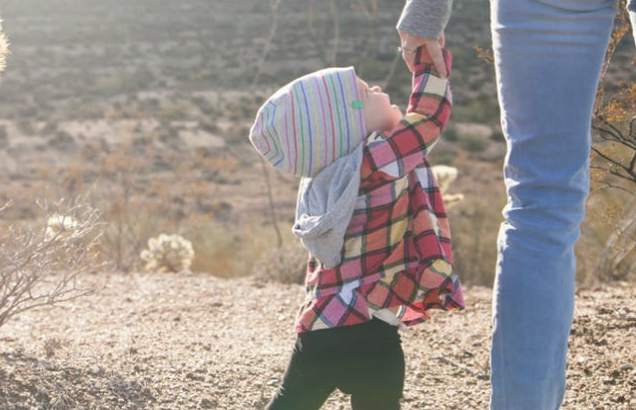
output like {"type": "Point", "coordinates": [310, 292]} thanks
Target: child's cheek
{"type": "Point", "coordinates": [396, 115]}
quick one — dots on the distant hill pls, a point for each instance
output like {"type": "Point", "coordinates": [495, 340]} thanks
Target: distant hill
{"type": "Point", "coordinates": [85, 50]}
{"type": "Point", "coordinates": [163, 93]}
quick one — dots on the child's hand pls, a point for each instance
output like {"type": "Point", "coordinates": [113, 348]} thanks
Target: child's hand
{"type": "Point", "coordinates": [410, 43]}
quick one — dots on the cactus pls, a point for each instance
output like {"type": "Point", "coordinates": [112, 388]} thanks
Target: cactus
{"type": "Point", "coordinates": [4, 48]}
{"type": "Point", "coordinates": [168, 253]}
{"type": "Point", "coordinates": [60, 226]}
{"type": "Point", "coordinates": [445, 175]}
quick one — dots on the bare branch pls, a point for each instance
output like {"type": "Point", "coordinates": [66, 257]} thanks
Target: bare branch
{"type": "Point", "coordinates": [336, 32]}
{"type": "Point", "coordinates": [609, 185]}
{"type": "Point", "coordinates": [328, 57]}
{"type": "Point", "coordinates": [270, 200]}
{"type": "Point", "coordinates": [619, 246]}
{"type": "Point", "coordinates": [41, 265]}
{"type": "Point", "coordinates": [274, 4]}
{"type": "Point", "coordinates": [611, 115]}
{"type": "Point", "coordinates": [609, 159]}
{"type": "Point", "coordinates": [614, 134]}
{"type": "Point", "coordinates": [622, 176]}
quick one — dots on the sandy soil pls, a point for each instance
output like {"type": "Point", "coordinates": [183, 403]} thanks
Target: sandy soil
{"type": "Point", "coordinates": [192, 341]}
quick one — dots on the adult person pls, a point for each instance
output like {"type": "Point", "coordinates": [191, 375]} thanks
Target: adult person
{"type": "Point", "coordinates": [548, 59]}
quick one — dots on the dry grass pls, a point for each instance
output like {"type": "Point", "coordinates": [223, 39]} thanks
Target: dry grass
{"type": "Point", "coordinates": [286, 264]}
{"type": "Point", "coordinates": [231, 250]}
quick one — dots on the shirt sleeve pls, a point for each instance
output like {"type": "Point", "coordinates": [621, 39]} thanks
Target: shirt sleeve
{"type": "Point", "coordinates": [406, 147]}
{"type": "Point", "coordinates": [425, 18]}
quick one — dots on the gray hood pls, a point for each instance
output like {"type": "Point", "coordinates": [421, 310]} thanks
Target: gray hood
{"type": "Point", "coordinates": [325, 205]}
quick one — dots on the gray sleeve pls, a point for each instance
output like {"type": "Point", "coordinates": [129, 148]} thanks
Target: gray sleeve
{"type": "Point", "coordinates": [631, 8]}
{"type": "Point", "coordinates": [425, 18]}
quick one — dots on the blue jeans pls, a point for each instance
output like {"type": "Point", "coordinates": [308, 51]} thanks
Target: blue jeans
{"type": "Point", "coordinates": [548, 57]}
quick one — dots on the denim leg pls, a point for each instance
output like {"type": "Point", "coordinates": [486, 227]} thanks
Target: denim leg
{"type": "Point", "coordinates": [548, 56]}
{"type": "Point", "coordinates": [631, 9]}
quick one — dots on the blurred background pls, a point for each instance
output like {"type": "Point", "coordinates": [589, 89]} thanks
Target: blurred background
{"type": "Point", "coordinates": [144, 107]}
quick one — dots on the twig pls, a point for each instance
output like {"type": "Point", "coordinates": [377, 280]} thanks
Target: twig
{"type": "Point", "coordinates": [270, 41]}
{"type": "Point", "coordinates": [274, 4]}
{"type": "Point", "coordinates": [446, 360]}
{"type": "Point", "coordinates": [270, 199]}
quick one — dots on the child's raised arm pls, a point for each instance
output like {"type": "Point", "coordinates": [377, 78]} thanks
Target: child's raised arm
{"type": "Point", "coordinates": [400, 151]}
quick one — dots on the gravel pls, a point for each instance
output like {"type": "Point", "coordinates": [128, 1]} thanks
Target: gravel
{"type": "Point", "coordinates": [193, 341]}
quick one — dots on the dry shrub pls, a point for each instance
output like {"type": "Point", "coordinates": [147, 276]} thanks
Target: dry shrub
{"type": "Point", "coordinates": [475, 223]}
{"type": "Point", "coordinates": [145, 188]}
{"type": "Point", "coordinates": [43, 265]}
{"type": "Point", "coordinates": [228, 249]}
{"type": "Point", "coordinates": [286, 264]}
{"type": "Point", "coordinates": [475, 226]}
{"type": "Point", "coordinates": [606, 250]}
{"type": "Point", "coordinates": [136, 207]}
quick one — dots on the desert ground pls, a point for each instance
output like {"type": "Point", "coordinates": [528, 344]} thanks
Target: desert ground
{"type": "Point", "coordinates": [193, 341]}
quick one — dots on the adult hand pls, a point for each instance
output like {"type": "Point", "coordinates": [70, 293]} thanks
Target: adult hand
{"type": "Point", "coordinates": [411, 42]}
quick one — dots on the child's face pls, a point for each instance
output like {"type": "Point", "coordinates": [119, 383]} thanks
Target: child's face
{"type": "Point", "coordinates": [379, 113]}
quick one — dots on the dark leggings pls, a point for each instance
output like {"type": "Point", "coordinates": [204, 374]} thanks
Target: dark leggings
{"type": "Point", "coordinates": [365, 361]}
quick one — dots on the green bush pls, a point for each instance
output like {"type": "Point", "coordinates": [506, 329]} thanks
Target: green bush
{"type": "Point", "coordinates": [450, 134]}
{"type": "Point", "coordinates": [472, 143]}
{"type": "Point", "coordinates": [498, 136]}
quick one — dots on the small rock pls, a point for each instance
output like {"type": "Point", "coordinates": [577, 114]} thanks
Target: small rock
{"type": "Point", "coordinates": [626, 367]}
{"type": "Point", "coordinates": [195, 377]}
{"type": "Point", "coordinates": [208, 404]}
{"type": "Point", "coordinates": [51, 367]}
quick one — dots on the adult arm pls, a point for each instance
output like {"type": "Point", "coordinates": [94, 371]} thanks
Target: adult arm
{"type": "Point", "coordinates": [422, 23]}
{"type": "Point", "coordinates": [425, 18]}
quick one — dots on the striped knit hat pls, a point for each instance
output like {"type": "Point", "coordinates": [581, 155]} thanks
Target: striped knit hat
{"type": "Point", "coordinates": [310, 122]}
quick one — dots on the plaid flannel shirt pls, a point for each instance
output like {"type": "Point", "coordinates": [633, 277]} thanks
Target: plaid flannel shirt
{"type": "Point", "coordinates": [397, 250]}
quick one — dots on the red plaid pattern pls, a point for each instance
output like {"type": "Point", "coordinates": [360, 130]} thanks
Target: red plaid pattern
{"type": "Point", "coordinates": [397, 251]}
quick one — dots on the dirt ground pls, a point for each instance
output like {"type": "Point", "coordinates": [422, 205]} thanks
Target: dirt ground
{"type": "Point", "coordinates": [192, 341]}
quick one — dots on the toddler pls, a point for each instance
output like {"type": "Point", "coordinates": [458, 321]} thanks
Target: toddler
{"type": "Point", "coordinates": [371, 214]}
